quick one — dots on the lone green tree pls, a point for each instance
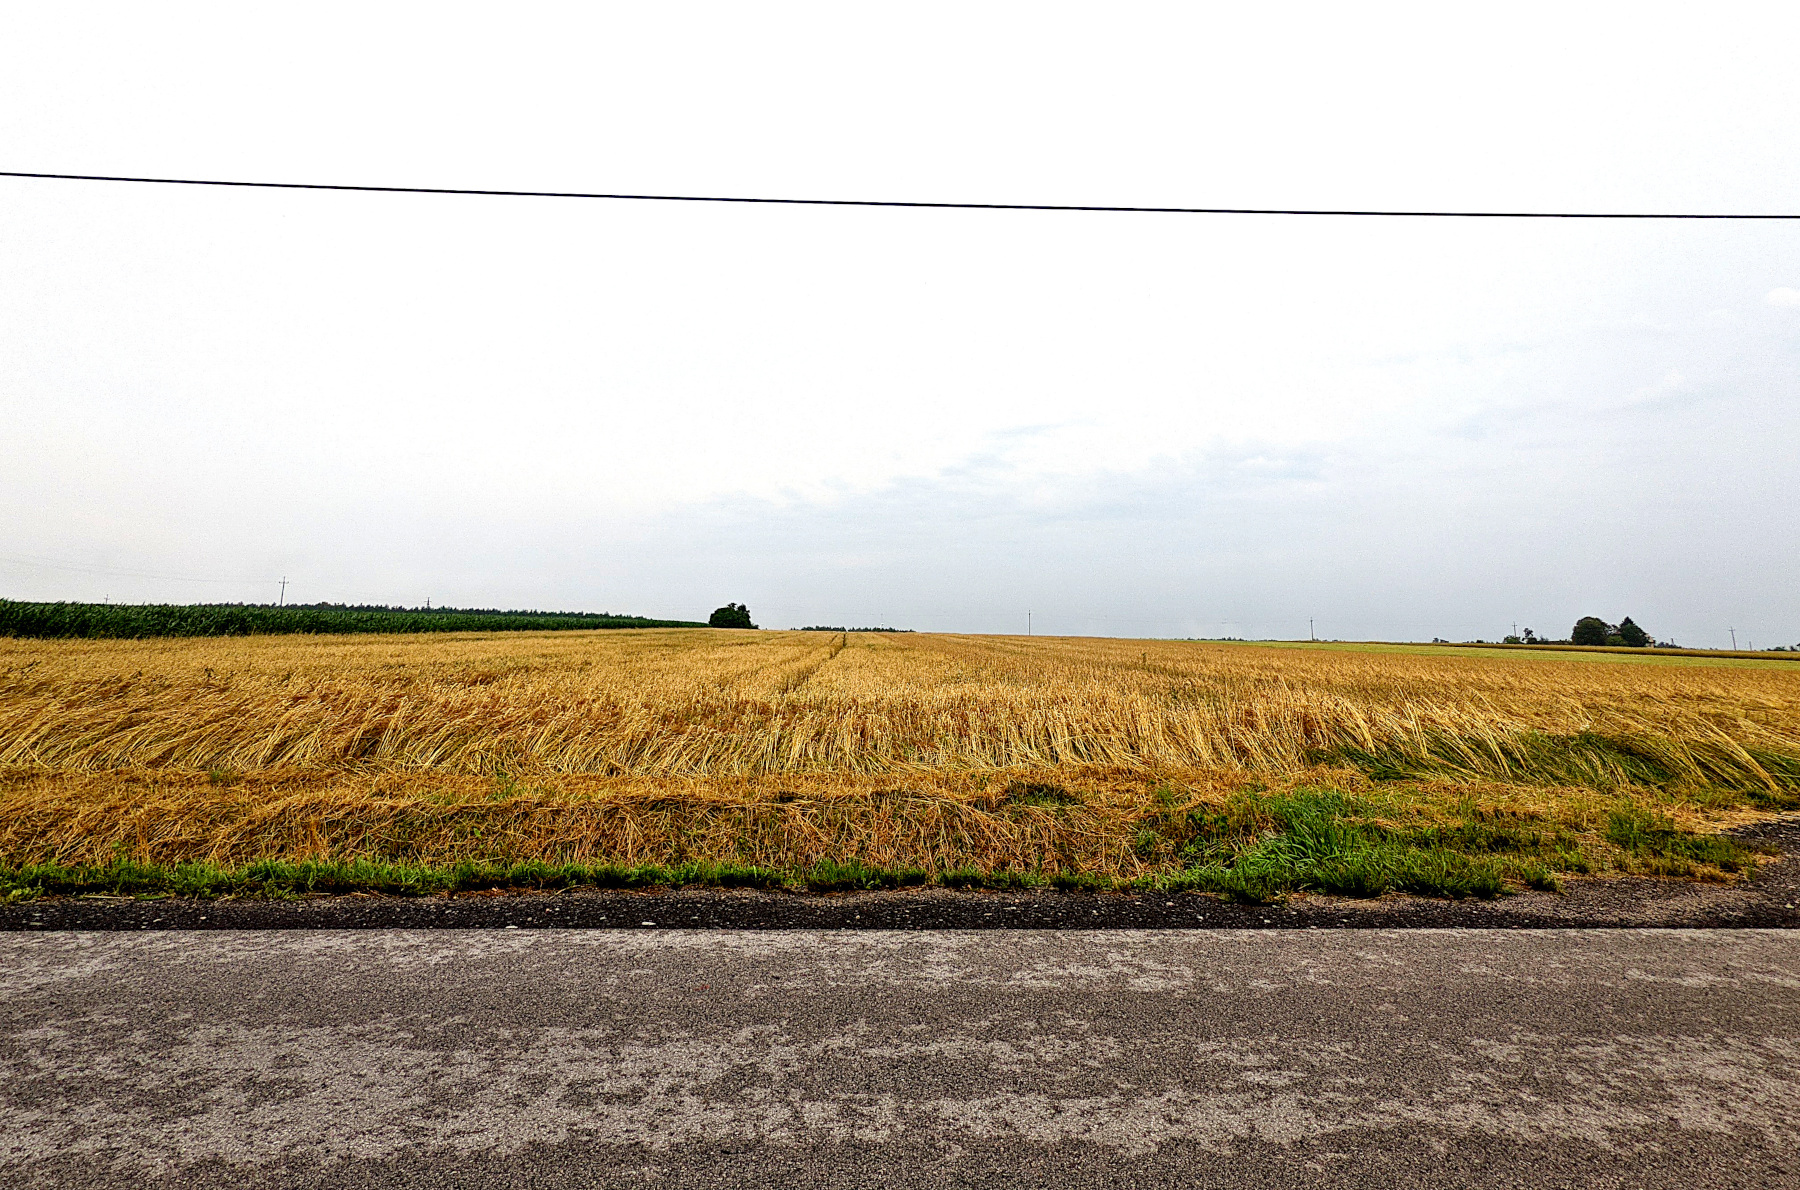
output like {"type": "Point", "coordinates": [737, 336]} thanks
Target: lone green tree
{"type": "Point", "coordinates": [732, 615]}
{"type": "Point", "coordinates": [1590, 630]}
{"type": "Point", "coordinates": [1632, 635]}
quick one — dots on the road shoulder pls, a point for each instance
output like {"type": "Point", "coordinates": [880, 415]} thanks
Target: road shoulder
{"type": "Point", "coordinates": [1766, 901]}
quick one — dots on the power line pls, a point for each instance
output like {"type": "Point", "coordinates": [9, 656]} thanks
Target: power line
{"type": "Point", "coordinates": [873, 202]}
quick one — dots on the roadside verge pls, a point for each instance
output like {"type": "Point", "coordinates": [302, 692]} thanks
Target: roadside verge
{"type": "Point", "coordinates": [1767, 900]}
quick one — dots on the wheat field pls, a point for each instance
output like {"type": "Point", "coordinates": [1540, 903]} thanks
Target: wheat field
{"type": "Point", "coordinates": [788, 748]}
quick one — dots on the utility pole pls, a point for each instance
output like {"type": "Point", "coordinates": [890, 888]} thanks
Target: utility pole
{"type": "Point", "coordinates": [1733, 632]}
{"type": "Point", "coordinates": [282, 602]}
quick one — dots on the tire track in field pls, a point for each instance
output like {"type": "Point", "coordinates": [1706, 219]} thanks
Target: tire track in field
{"type": "Point", "coordinates": [801, 677]}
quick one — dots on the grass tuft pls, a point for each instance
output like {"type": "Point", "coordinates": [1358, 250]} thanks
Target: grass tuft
{"type": "Point", "coordinates": [1654, 846]}
{"type": "Point", "coordinates": [1262, 847]}
{"type": "Point", "coordinates": [833, 876]}
{"type": "Point", "coordinates": [1038, 793]}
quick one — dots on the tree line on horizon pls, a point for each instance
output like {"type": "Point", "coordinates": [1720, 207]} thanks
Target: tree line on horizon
{"type": "Point", "coordinates": [63, 620]}
{"type": "Point", "coordinates": [1592, 630]}
{"type": "Point", "coordinates": [126, 621]}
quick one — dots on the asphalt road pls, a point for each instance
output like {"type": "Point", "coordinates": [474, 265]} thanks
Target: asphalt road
{"type": "Point", "coordinates": [1518, 1058]}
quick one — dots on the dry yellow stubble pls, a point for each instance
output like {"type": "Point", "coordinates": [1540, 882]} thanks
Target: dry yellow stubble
{"type": "Point", "coordinates": [770, 747]}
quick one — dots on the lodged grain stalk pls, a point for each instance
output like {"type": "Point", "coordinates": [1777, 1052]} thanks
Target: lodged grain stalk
{"type": "Point", "coordinates": [789, 750]}
{"type": "Point", "coordinates": [686, 704]}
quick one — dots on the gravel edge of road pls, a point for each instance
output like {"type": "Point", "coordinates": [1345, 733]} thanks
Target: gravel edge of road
{"type": "Point", "coordinates": [1768, 901]}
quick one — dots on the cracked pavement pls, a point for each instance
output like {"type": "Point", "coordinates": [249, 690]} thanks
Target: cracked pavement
{"type": "Point", "coordinates": [505, 1058]}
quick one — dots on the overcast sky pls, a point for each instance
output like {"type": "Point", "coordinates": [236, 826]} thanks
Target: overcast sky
{"type": "Point", "coordinates": [1131, 425]}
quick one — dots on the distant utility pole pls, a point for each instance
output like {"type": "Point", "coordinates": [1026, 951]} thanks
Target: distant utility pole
{"type": "Point", "coordinates": [283, 600]}
{"type": "Point", "coordinates": [1733, 632]}
{"type": "Point", "coordinates": [1310, 634]}
{"type": "Point", "coordinates": [1028, 622]}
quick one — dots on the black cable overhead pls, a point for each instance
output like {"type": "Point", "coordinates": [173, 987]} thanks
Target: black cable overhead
{"type": "Point", "coordinates": [873, 202]}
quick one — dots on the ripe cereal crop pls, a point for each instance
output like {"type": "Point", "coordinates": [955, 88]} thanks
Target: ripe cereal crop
{"type": "Point", "coordinates": [922, 757]}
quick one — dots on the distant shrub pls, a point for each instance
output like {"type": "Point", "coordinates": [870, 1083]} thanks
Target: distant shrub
{"type": "Point", "coordinates": [732, 615]}
{"type": "Point", "coordinates": [1590, 630]}
{"type": "Point", "coordinates": [840, 628]}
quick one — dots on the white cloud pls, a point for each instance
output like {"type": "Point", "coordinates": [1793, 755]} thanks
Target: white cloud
{"type": "Point", "coordinates": [1783, 297]}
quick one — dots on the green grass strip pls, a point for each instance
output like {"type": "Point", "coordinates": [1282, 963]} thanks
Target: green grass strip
{"type": "Point", "coordinates": [1258, 848]}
